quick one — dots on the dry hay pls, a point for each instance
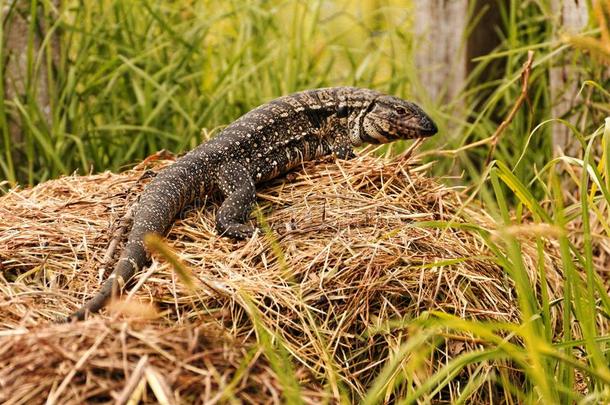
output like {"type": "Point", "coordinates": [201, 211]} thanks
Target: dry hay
{"type": "Point", "coordinates": [343, 258]}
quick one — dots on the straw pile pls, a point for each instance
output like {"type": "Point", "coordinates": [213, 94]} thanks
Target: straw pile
{"type": "Point", "coordinates": [342, 255]}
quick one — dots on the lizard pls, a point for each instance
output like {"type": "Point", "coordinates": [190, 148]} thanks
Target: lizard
{"type": "Point", "coordinates": [260, 145]}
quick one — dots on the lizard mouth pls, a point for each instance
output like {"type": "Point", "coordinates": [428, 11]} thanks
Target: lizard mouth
{"type": "Point", "coordinates": [426, 129]}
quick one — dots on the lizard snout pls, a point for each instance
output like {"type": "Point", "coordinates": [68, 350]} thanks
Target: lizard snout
{"type": "Point", "coordinates": [427, 127]}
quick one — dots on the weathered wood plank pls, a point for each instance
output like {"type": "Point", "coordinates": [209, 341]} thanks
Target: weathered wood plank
{"type": "Point", "coordinates": [17, 17]}
{"type": "Point", "coordinates": [565, 78]}
{"type": "Point", "coordinates": [444, 55]}
{"type": "Point", "coordinates": [440, 55]}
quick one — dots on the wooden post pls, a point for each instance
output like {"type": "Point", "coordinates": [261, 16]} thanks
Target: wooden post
{"type": "Point", "coordinates": [444, 56]}
{"type": "Point", "coordinates": [17, 17]}
{"type": "Point", "coordinates": [440, 56]}
{"type": "Point", "coordinates": [565, 79]}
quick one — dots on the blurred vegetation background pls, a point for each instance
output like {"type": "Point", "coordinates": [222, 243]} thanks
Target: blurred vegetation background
{"type": "Point", "coordinates": [127, 78]}
{"type": "Point", "coordinates": [123, 79]}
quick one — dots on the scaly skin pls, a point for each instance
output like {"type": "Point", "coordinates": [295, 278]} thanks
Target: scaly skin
{"type": "Point", "coordinates": [262, 144]}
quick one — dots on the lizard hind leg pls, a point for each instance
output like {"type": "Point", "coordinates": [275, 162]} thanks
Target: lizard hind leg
{"type": "Point", "coordinates": [237, 186]}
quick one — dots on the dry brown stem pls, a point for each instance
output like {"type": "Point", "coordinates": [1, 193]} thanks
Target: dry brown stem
{"type": "Point", "coordinates": [525, 77]}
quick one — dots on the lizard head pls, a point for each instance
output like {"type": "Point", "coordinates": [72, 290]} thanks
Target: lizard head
{"type": "Point", "coordinates": [391, 118]}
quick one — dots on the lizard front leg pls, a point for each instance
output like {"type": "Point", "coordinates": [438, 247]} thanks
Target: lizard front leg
{"type": "Point", "coordinates": [237, 186]}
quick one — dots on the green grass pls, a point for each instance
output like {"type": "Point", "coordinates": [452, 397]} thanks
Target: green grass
{"type": "Point", "coordinates": [133, 77]}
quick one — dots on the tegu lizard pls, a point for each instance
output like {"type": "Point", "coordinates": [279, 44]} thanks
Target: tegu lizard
{"type": "Point", "coordinates": [260, 145]}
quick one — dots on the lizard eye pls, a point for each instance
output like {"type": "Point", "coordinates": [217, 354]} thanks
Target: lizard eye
{"type": "Point", "coordinates": [342, 111]}
{"type": "Point", "coordinates": [400, 110]}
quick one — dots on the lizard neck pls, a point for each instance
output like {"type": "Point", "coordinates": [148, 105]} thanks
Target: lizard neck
{"type": "Point", "coordinates": [357, 103]}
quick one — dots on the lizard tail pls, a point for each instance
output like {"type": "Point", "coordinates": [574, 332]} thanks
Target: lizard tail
{"type": "Point", "coordinates": [160, 202]}
{"type": "Point", "coordinates": [134, 257]}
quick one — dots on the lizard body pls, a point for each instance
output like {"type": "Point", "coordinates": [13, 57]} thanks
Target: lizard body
{"type": "Point", "coordinates": [260, 145]}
